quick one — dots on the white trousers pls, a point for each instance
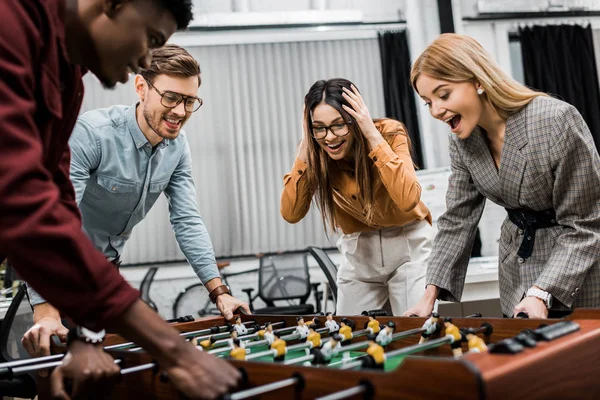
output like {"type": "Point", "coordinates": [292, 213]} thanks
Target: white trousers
{"type": "Point", "coordinates": [381, 266]}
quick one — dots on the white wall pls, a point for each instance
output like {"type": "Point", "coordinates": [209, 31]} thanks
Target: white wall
{"type": "Point", "coordinates": [373, 10]}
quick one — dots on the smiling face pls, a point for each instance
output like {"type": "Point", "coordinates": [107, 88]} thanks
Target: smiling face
{"type": "Point", "coordinates": [455, 103]}
{"type": "Point", "coordinates": [122, 37]}
{"type": "Point", "coordinates": [337, 147]}
{"type": "Point", "coordinates": [160, 122]}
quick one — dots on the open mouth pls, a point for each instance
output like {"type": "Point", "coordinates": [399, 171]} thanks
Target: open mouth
{"type": "Point", "coordinates": [454, 122]}
{"type": "Point", "coordinates": [172, 123]}
{"type": "Point", "coordinates": [334, 147]}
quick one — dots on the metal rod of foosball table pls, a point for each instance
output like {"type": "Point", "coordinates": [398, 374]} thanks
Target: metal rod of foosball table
{"type": "Point", "coordinates": [29, 361]}
{"type": "Point", "coordinates": [344, 394]}
{"type": "Point", "coordinates": [353, 346]}
{"type": "Point", "coordinates": [45, 359]}
{"type": "Point", "coordinates": [295, 336]}
{"type": "Point", "coordinates": [9, 373]}
{"type": "Point", "coordinates": [221, 329]}
{"type": "Point", "coordinates": [221, 344]}
{"type": "Point", "coordinates": [416, 348]}
{"type": "Point", "coordinates": [258, 390]}
{"type": "Point", "coordinates": [137, 368]}
{"type": "Point", "coordinates": [261, 354]}
{"type": "Point", "coordinates": [299, 360]}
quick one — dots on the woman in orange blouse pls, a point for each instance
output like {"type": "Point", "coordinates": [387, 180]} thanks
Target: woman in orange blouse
{"type": "Point", "coordinates": [362, 177]}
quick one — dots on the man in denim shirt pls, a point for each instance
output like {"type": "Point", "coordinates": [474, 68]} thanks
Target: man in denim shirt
{"type": "Point", "coordinates": [123, 158]}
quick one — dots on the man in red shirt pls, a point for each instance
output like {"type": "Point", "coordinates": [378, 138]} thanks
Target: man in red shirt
{"type": "Point", "coordinates": [44, 44]}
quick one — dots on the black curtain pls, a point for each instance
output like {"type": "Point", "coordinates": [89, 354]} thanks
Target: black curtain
{"type": "Point", "coordinates": [560, 60]}
{"type": "Point", "coordinates": [398, 93]}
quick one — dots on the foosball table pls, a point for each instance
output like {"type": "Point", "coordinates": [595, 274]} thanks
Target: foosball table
{"type": "Point", "coordinates": [391, 358]}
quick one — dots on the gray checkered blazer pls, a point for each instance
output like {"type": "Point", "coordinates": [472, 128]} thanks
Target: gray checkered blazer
{"type": "Point", "coordinates": [548, 161]}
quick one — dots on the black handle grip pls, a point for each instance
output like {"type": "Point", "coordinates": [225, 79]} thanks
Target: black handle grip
{"type": "Point", "coordinates": [522, 314]}
{"type": "Point", "coordinates": [375, 313]}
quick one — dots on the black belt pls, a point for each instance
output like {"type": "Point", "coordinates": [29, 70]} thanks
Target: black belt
{"type": "Point", "coordinates": [529, 222]}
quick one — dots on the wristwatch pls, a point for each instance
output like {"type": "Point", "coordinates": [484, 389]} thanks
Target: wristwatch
{"type": "Point", "coordinates": [85, 334]}
{"type": "Point", "coordinates": [540, 294]}
{"type": "Point", "coordinates": [216, 292]}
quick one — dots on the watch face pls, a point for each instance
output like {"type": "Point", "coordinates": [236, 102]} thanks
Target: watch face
{"type": "Point", "coordinates": [91, 335]}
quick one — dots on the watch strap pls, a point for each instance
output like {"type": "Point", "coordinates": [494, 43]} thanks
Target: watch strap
{"type": "Point", "coordinates": [216, 292]}
{"type": "Point", "coordinates": [540, 294]}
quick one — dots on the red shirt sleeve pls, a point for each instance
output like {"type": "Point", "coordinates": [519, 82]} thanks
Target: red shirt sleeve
{"type": "Point", "coordinates": [40, 228]}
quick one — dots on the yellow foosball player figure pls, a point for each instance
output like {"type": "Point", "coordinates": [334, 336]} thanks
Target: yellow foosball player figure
{"type": "Point", "coordinates": [373, 325]}
{"type": "Point", "coordinates": [475, 343]}
{"type": "Point", "coordinates": [313, 338]}
{"type": "Point", "coordinates": [331, 323]}
{"type": "Point", "coordinates": [431, 326]}
{"type": "Point", "coordinates": [238, 352]}
{"type": "Point", "coordinates": [385, 335]}
{"type": "Point", "coordinates": [206, 344]}
{"type": "Point", "coordinates": [375, 358]}
{"type": "Point", "coordinates": [453, 332]}
{"type": "Point", "coordinates": [279, 347]}
{"type": "Point", "coordinates": [328, 350]}
{"type": "Point", "coordinates": [345, 331]}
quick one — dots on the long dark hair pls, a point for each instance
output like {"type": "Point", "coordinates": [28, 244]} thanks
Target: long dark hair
{"type": "Point", "coordinates": [320, 164]}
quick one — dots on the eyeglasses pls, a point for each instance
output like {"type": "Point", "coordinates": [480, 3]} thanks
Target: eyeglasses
{"type": "Point", "coordinates": [172, 99]}
{"type": "Point", "coordinates": [320, 132]}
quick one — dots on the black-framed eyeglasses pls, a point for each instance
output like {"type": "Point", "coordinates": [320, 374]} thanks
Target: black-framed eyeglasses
{"type": "Point", "coordinates": [172, 99]}
{"type": "Point", "coordinates": [339, 129]}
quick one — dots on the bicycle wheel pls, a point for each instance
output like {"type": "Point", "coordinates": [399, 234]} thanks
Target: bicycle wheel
{"type": "Point", "coordinates": [194, 301]}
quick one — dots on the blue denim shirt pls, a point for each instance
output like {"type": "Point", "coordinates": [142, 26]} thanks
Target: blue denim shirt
{"type": "Point", "coordinates": [118, 177]}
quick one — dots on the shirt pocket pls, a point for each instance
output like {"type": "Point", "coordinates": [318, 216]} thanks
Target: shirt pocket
{"type": "Point", "coordinates": [158, 186]}
{"type": "Point", "coordinates": [154, 190]}
{"type": "Point", "coordinates": [114, 185]}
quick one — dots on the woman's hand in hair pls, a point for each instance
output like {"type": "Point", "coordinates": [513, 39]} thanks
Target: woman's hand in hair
{"type": "Point", "coordinates": [361, 115]}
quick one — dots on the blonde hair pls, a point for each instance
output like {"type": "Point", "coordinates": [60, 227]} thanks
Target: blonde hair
{"type": "Point", "coordinates": [460, 58]}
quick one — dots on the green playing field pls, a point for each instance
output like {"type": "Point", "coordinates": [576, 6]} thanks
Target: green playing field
{"type": "Point", "coordinates": [336, 362]}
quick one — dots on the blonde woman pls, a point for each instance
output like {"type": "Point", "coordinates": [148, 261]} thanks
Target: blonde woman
{"type": "Point", "coordinates": [528, 152]}
{"type": "Point", "coordinates": [360, 172]}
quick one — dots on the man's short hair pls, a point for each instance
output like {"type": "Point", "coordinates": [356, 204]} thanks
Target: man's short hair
{"type": "Point", "coordinates": [171, 60]}
{"type": "Point", "coordinates": [181, 11]}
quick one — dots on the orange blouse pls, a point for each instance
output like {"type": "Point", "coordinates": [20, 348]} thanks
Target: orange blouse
{"type": "Point", "coordinates": [399, 196]}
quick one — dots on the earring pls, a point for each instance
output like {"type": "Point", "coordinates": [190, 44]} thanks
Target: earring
{"type": "Point", "coordinates": [480, 91]}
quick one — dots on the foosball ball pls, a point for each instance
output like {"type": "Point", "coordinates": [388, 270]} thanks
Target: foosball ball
{"type": "Point", "coordinates": [325, 357]}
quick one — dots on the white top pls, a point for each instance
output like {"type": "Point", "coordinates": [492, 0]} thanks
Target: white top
{"type": "Point", "coordinates": [328, 351]}
{"type": "Point", "coordinates": [430, 326]}
{"type": "Point", "coordinates": [384, 338]}
{"type": "Point", "coordinates": [270, 337]}
{"type": "Point", "coordinates": [332, 325]}
{"type": "Point", "coordinates": [302, 331]}
{"type": "Point", "coordinates": [240, 329]}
